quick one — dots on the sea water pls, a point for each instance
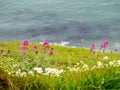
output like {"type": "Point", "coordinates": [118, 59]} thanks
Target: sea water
{"type": "Point", "coordinates": [79, 22]}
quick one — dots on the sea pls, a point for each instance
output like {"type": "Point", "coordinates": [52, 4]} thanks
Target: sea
{"type": "Point", "coordinates": [76, 23]}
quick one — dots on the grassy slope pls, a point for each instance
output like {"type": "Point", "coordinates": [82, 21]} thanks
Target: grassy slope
{"type": "Point", "coordinates": [64, 57]}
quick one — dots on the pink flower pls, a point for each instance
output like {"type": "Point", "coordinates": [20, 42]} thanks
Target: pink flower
{"type": "Point", "coordinates": [23, 47]}
{"type": "Point", "coordinates": [1, 51]}
{"type": "Point", "coordinates": [93, 46]}
{"type": "Point", "coordinates": [91, 49]}
{"type": "Point", "coordinates": [45, 51]}
{"type": "Point", "coordinates": [8, 51]}
{"type": "Point", "coordinates": [104, 45]}
{"type": "Point", "coordinates": [116, 49]}
{"type": "Point", "coordinates": [35, 47]}
{"type": "Point", "coordinates": [106, 42]}
{"type": "Point", "coordinates": [25, 42]}
{"type": "Point", "coordinates": [50, 53]}
{"type": "Point", "coordinates": [46, 44]}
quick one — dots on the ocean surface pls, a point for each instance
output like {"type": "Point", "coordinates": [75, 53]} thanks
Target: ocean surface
{"type": "Point", "coordinates": [77, 22]}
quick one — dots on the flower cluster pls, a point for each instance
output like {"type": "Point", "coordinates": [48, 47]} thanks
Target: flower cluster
{"type": "Point", "coordinates": [53, 71]}
{"type": "Point", "coordinates": [104, 45]}
{"type": "Point", "coordinates": [73, 69]}
{"type": "Point", "coordinates": [24, 47]}
{"type": "Point", "coordinates": [78, 67]}
{"type": "Point", "coordinates": [98, 65]}
{"type": "Point", "coordinates": [47, 48]}
{"type": "Point", "coordinates": [48, 71]}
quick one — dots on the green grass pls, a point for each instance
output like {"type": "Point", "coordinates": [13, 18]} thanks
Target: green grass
{"type": "Point", "coordinates": [79, 69]}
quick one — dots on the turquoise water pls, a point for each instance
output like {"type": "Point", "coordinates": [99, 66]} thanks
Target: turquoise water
{"type": "Point", "coordinates": [79, 22]}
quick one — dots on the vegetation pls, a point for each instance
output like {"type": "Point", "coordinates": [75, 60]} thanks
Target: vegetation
{"type": "Point", "coordinates": [34, 66]}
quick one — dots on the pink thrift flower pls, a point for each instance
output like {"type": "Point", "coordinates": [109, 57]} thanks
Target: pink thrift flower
{"type": "Point", "coordinates": [105, 43]}
{"type": "Point", "coordinates": [25, 42]}
{"type": "Point", "coordinates": [46, 44]}
{"type": "Point", "coordinates": [103, 46]}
